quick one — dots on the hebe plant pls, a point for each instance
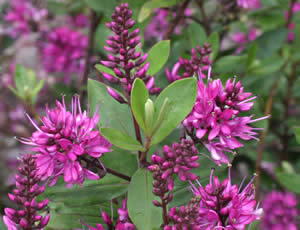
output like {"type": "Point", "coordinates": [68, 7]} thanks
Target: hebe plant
{"type": "Point", "coordinates": [134, 159]}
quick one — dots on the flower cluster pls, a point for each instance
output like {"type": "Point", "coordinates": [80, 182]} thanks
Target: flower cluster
{"type": "Point", "coordinates": [249, 4]}
{"type": "Point", "coordinates": [241, 39]}
{"type": "Point", "coordinates": [190, 67]}
{"type": "Point", "coordinates": [185, 217]}
{"type": "Point", "coordinates": [178, 159]}
{"type": "Point", "coordinates": [215, 117]}
{"type": "Point", "coordinates": [24, 17]}
{"type": "Point", "coordinates": [64, 140]}
{"type": "Point", "coordinates": [225, 206]}
{"type": "Point", "coordinates": [123, 222]}
{"type": "Point", "coordinates": [25, 194]}
{"type": "Point", "coordinates": [124, 57]}
{"type": "Point", "coordinates": [159, 23]}
{"type": "Point", "coordinates": [280, 211]}
{"type": "Point", "coordinates": [64, 51]}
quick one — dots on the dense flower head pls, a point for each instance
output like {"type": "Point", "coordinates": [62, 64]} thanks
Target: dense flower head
{"type": "Point", "coordinates": [126, 62]}
{"type": "Point", "coordinates": [216, 118]}
{"type": "Point", "coordinates": [225, 206]}
{"type": "Point", "coordinates": [24, 17]}
{"type": "Point", "coordinates": [65, 139]}
{"type": "Point", "coordinates": [64, 51]}
{"type": "Point", "coordinates": [198, 64]}
{"type": "Point", "coordinates": [280, 211]}
{"type": "Point", "coordinates": [160, 22]}
{"type": "Point", "coordinates": [249, 4]}
{"type": "Point", "coordinates": [241, 39]}
{"type": "Point", "coordinates": [123, 221]}
{"type": "Point", "coordinates": [27, 189]}
{"type": "Point", "coordinates": [177, 159]}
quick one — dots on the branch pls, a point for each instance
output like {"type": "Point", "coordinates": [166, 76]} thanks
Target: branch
{"type": "Point", "coordinates": [95, 20]}
{"type": "Point", "coordinates": [177, 19]}
{"type": "Point", "coordinates": [118, 174]}
{"type": "Point", "coordinates": [290, 12]}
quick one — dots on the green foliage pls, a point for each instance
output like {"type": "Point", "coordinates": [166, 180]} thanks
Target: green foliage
{"type": "Point", "coordinates": [297, 134]}
{"type": "Point", "coordinates": [149, 6]}
{"type": "Point", "coordinates": [121, 140]}
{"type": "Point", "coordinates": [139, 96]}
{"type": "Point", "coordinates": [112, 113]}
{"type": "Point", "coordinates": [195, 34]}
{"type": "Point", "coordinates": [181, 96]}
{"type": "Point", "coordinates": [27, 85]}
{"type": "Point", "coordinates": [158, 56]}
{"type": "Point", "coordinates": [140, 207]}
{"type": "Point", "coordinates": [105, 6]}
{"type": "Point", "coordinates": [291, 181]}
{"type": "Point", "coordinates": [214, 40]}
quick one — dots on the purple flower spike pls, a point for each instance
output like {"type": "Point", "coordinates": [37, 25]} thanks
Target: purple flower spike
{"type": "Point", "coordinates": [217, 206]}
{"type": "Point", "coordinates": [24, 196]}
{"type": "Point", "coordinates": [280, 211]}
{"type": "Point", "coordinates": [116, 95]}
{"type": "Point", "coordinates": [197, 65]}
{"type": "Point", "coordinates": [178, 159]}
{"type": "Point", "coordinates": [65, 140]}
{"type": "Point", "coordinates": [215, 118]}
{"type": "Point", "coordinates": [124, 60]}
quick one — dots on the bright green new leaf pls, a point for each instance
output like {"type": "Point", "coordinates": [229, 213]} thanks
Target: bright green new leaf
{"type": "Point", "coordinates": [181, 98]}
{"type": "Point", "coordinates": [20, 79]}
{"type": "Point", "coordinates": [158, 56]}
{"type": "Point", "coordinates": [121, 140]}
{"type": "Point", "coordinates": [140, 197]}
{"type": "Point", "coordinates": [214, 41]}
{"type": "Point", "coordinates": [139, 96]}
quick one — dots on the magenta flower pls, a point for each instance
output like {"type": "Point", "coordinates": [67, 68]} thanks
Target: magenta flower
{"type": "Point", "coordinates": [124, 59]}
{"type": "Point", "coordinates": [216, 118]}
{"type": "Point", "coordinates": [65, 140]}
{"type": "Point", "coordinates": [280, 211]}
{"type": "Point", "coordinates": [27, 189]}
{"type": "Point", "coordinates": [249, 4]}
{"type": "Point", "coordinates": [291, 26]}
{"type": "Point", "coordinates": [241, 39]}
{"type": "Point", "coordinates": [24, 17]}
{"type": "Point", "coordinates": [225, 206]}
{"type": "Point", "coordinates": [64, 51]}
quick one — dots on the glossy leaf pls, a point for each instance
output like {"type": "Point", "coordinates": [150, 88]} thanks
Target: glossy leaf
{"type": "Point", "coordinates": [158, 56]}
{"type": "Point", "coordinates": [181, 97]}
{"type": "Point", "coordinates": [140, 207]}
{"type": "Point", "coordinates": [112, 113]}
{"type": "Point", "coordinates": [121, 140]}
{"type": "Point", "coordinates": [297, 134]}
{"type": "Point", "coordinates": [139, 96]}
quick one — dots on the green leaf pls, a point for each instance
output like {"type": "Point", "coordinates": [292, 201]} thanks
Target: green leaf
{"type": "Point", "coordinates": [20, 79]}
{"type": "Point", "coordinates": [196, 34]}
{"type": "Point", "coordinates": [181, 97]}
{"type": "Point", "coordinates": [147, 8]}
{"type": "Point", "coordinates": [289, 181]}
{"type": "Point", "coordinates": [252, 51]}
{"type": "Point", "coordinates": [104, 69]}
{"type": "Point", "coordinates": [230, 64]}
{"type": "Point", "coordinates": [267, 66]}
{"type": "Point", "coordinates": [122, 140]}
{"type": "Point", "coordinates": [105, 6]}
{"type": "Point", "coordinates": [139, 96]}
{"type": "Point", "coordinates": [270, 42]}
{"type": "Point", "coordinates": [214, 40]}
{"type": "Point", "coordinates": [158, 56]}
{"type": "Point", "coordinates": [297, 134]}
{"type": "Point", "coordinates": [140, 207]}
{"type": "Point", "coordinates": [112, 113]}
